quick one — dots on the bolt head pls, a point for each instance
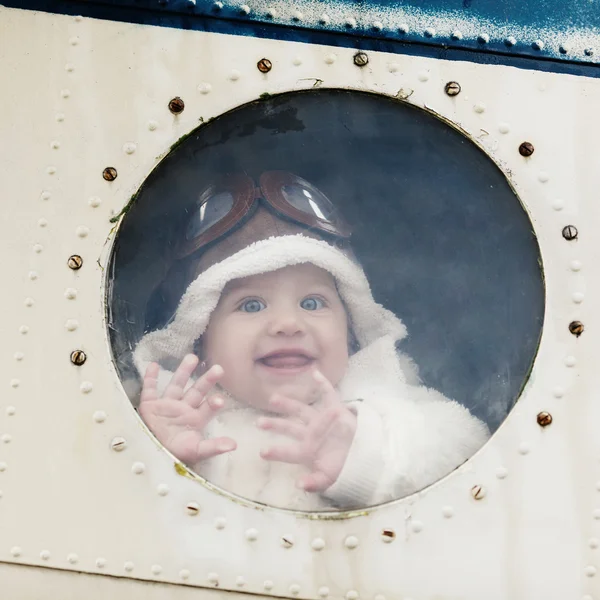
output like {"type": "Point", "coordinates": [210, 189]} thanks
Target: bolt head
{"type": "Point", "coordinates": [570, 232]}
{"type": "Point", "coordinates": [361, 59]}
{"type": "Point", "coordinates": [176, 105]}
{"type": "Point", "coordinates": [109, 174]}
{"type": "Point", "coordinates": [452, 88]}
{"type": "Point", "coordinates": [576, 328]}
{"type": "Point", "coordinates": [118, 444]}
{"type": "Point", "coordinates": [526, 149]}
{"type": "Point", "coordinates": [264, 65]}
{"type": "Point", "coordinates": [78, 357]}
{"type": "Point", "coordinates": [544, 419]}
{"type": "Point", "coordinates": [478, 492]}
{"type": "Point", "coordinates": [192, 508]}
{"type": "Point", "coordinates": [75, 262]}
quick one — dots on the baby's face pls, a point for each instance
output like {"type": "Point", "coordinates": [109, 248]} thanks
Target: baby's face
{"type": "Point", "coordinates": [269, 332]}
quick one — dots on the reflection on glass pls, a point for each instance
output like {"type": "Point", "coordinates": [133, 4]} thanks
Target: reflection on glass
{"type": "Point", "coordinates": [264, 357]}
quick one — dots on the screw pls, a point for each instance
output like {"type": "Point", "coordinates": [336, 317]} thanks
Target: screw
{"type": "Point", "coordinates": [388, 535]}
{"type": "Point", "coordinates": [176, 105]}
{"type": "Point", "coordinates": [544, 419]}
{"type": "Point", "coordinates": [75, 262]}
{"type": "Point", "coordinates": [526, 149]}
{"type": "Point", "coordinates": [570, 232]}
{"type": "Point", "coordinates": [78, 357]}
{"type": "Point", "coordinates": [452, 88]}
{"type": "Point", "coordinates": [192, 508]}
{"type": "Point", "coordinates": [287, 542]}
{"type": "Point", "coordinates": [361, 59]}
{"type": "Point", "coordinates": [110, 173]}
{"type": "Point", "coordinates": [118, 444]}
{"type": "Point", "coordinates": [478, 492]}
{"type": "Point", "coordinates": [576, 328]}
{"type": "Point", "coordinates": [264, 65]}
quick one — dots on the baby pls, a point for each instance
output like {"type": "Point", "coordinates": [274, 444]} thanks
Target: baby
{"type": "Point", "coordinates": [287, 386]}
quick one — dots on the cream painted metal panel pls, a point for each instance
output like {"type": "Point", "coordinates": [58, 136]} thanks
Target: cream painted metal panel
{"type": "Point", "coordinates": [80, 95]}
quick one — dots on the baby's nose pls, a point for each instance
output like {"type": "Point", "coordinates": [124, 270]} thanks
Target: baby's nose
{"type": "Point", "coordinates": [286, 323]}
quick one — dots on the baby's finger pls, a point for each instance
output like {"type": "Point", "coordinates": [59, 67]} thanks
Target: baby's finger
{"type": "Point", "coordinates": [180, 378]}
{"type": "Point", "coordinates": [197, 393]}
{"type": "Point", "coordinates": [214, 447]}
{"type": "Point", "coordinates": [314, 482]}
{"type": "Point", "coordinates": [208, 410]}
{"type": "Point", "coordinates": [284, 426]}
{"type": "Point", "coordinates": [292, 408]}
{"type": "Point", "coordinates": [286, 454]}
{"type": "Point", "coordinates": [320, 427]}
{"type": "Point", "coordinates": [150, 385]}
{"type": "Point", "coordinates": [329, 395]}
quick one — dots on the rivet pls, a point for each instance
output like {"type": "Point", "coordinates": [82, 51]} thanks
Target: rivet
{"type": "Point", "coordinates": [192, 508]}
{"type": "Point", "coordinates": [74, 41]}
{"type": "Point", "coordinates": [10, 411]}
{"type": "Point", "coordinates": [361, 59]}
{"type": "Point", "coordinates": [176, 105]}
{"type": "Point", "coordinates": [71, 324]}
{"type": "Point", "coordinates": [558, 392]}
{"type": "Point", "coordinates": [218, 5]}
{"type": "Point", "coordinates": [297, 61]}
{"type": "Point", "coordinates": [213, 578]}
{"type": "Point", "coordinates": [220, 522]}
{"type": "Point", "coordinates": [19, 355]}
{"type": "Point", "coordinates": [109, 174]}
{"type": "Point", "coordinates": [287, 541]}
{"type": "Point", "coordinates": [138, 468]}
{"type": "Point", "coordinates": [33, 275]}
{"type": "Point", "coordinates": [234, 75]}
{"type": "Point", "coordinates": [479, 108]}
{"type": "Point", "coordinates": [75, 262]}
{"type": "Point", "coordinates": [6, 438]}
{"type": "Point", "coordinates": [570, 232]}
{"type": "Point", "coordinates": [297, 16]}
{"type": "Point", "coordinates": [45, 195]}
{"type": "Point", "coordinates": [152, 125]}
{"type": "Point", "coordinates": [564, 48]}
{"type": "Point", "coordinates": [71, 293]}
{"type": "Point", "coordinates": [576, 328]}
{"type": "Point", "coordinates": [268, 585]}
{"type": "Point", "coordinates": [294, 589]}
{"type": "Point", "coordinates": [324, 20]}
{"type": "Point", "coordinates": [272, 13]}
{"type": "Point", "coordinates": [594, 543]}
{"type": "Point", "coordinates": [351, 542]}
{"type": "Point", "coordinates": [204, 88]}
{"type": "Point", "coordinates": [29, 302]}
{"type": "Point", "coordinates": [377, 25]}
{"type": "Point", "coordinates": [330, 59]}
{"type": "Point", "coordinates": [577, 297]}
{"type": "Point", "coordinates": [118, 444]}
{"type": "Point", "coordinates": [417, 526]}
{"type": "Point", "coordinates": [429, 32]}
{"type": "Point", "coordinates": [45, 555]}
{"type": "Point", "coordinates": [162, 489]}
{"type": "Point", "coordinates": [447, 512]}
{"type": "Point", "coordinates": [570, 361]}
{"type": "Point", "coordinates": [352, 595]}
{"type": "Point", "coordinates": [23, 329]}
{"type": "Point", "coordinates": [393, 67]}
{"type": "Point", "coordinates": [323, 592]}
{"type": "Point", "coordinates": [403, 28]}
{"type": "Point", "coordinates": [501, 472]}
{"type": "Point", "coordinates": [264, 65]}
{"type": "Point", "coordinates": [101, 563]}
{"type": "Point", "coordinates": [510, 41]}
{"type": "Point", "coordinates": [184, 574]}
{"type": "Point", "coordinates": [388, 535]}
{"type": "Point", "coordinates": [457, 35]}
{"type": "Point", "coordinates": [78, 357]}
{"type": "Point", "coordinates": [60, 117]}
{"type": "Point", "coordinates": [251, 535]}
{"type": "Point", "coordinates": [590, 571]}
{"type": "Point", "coordinates": [82, 231]}
{"type": "Point", "coordinates": [156, 569]}
{"type": "Point", "coordinates": [14, 383]}
{"type": "Point", "coordinates": [55, 145]}
{"type": "Point", "coordinates": [240, 581]}
{"type": "Point", "coordinates": [318, 544]}
{"type": "Point", "coordinates": [245, 9]}
{"type": "Point", "coordinates": [575, 265]}
{"type": "Point", "coordinates": [543, 177]}
{"type": "Point", "coordinates": [504, 128]}
{"type": "Point", "coordinates": [16, 551]}
{"type": "Point", "coordinates": [538, 45]}
{"type": "Point", "coordinates": [73, 558]}
{"type": "Point", "coordinates": [589, 51]}
{"type": "Point", "coordinates": [478, 492]}
{"type": "Point", "coordinates": [351, 22]}
{"type": "Point", "coordinates": [452, 88]}
{"type": "Point", "coordinates": [526, 149]}
{"type": "Point", "coordinates": [37, 248]}
{"type": "Point", "coordinates": [69, 67]}
{"type": "Point", "coordinates": [65, 93]}
{"type": "Point", "coordinates": [484, 38]}
{"type": "Point", "coordinates": [42, 222]}
{"type": "Point", "coordinates": [524, 448]}
{"type": "Point", "coordinates": [129, 148]}
{"type": "Point", "coordinates": [86, 387]}
{"type": "Point", "coordinates": [544, 419]}
{"type": "Point", "coordinates": [3, 467]}
{"type": "Point", "coordinates": [100, 416]}
{"type": "Point", "coordinates": [423, 76]}
{"type": "Point", "coordinates": [128, 566]}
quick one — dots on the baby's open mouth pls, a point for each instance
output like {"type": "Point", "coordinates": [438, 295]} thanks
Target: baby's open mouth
{"type": "Point", "coordinates": [286, 360]}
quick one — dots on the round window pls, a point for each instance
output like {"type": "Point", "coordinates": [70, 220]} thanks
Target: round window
{"type": "Point", "coordinates": [325, 300]}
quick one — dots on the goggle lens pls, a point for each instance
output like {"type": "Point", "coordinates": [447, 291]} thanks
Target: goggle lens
{"type": "Point", "coordinates": [309, 200]}
{"type": "Point", "coordinates": [211, 209]}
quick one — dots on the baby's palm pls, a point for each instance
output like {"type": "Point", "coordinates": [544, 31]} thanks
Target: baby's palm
{"type": "Point", "coordinates": [179, 417]}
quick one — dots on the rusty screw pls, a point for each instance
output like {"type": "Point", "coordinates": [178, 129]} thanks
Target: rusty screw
{"type": "Point", "coordinates": [544, 419]}
{"type": "Point", "coordinates": [570, 232]}
{"type": "Point", "coordinates": [78, 357]}
{"type": "Point", "coordinates": [75, 262]}
{"type": "Point", "coordinates": [264, 65]}
{"type": "Point", "coordinates": [361, 59]}
{"type": "Point", "coordinates": [478, 492]}
{"type": "Point", "coordinates": [576, 328]}
{"type": "Point", "coordinates": [109, 174]}
{"type": "Point", "coordinates": [452, 88]}
{"type": "Point", "coordinates": [176, 105]}
{"type": "Point", "coordinates": [526, 149]}
{"type": "Point", "coordinates": [388, 535]}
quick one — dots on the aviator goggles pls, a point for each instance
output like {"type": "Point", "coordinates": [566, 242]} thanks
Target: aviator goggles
{"type": "Point", "coordinates": [225, 204]}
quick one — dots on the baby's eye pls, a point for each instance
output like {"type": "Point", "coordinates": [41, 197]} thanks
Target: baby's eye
{"type": "Point", "coordinates": [312, 303]}
{"type": "Point", "coordinates": [253, 305]}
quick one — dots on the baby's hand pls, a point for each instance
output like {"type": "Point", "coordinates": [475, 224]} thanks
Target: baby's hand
{"type": "Point", "coordinates": [324, 434]}
{"type": "Point", "coordinates": [178, 418]}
